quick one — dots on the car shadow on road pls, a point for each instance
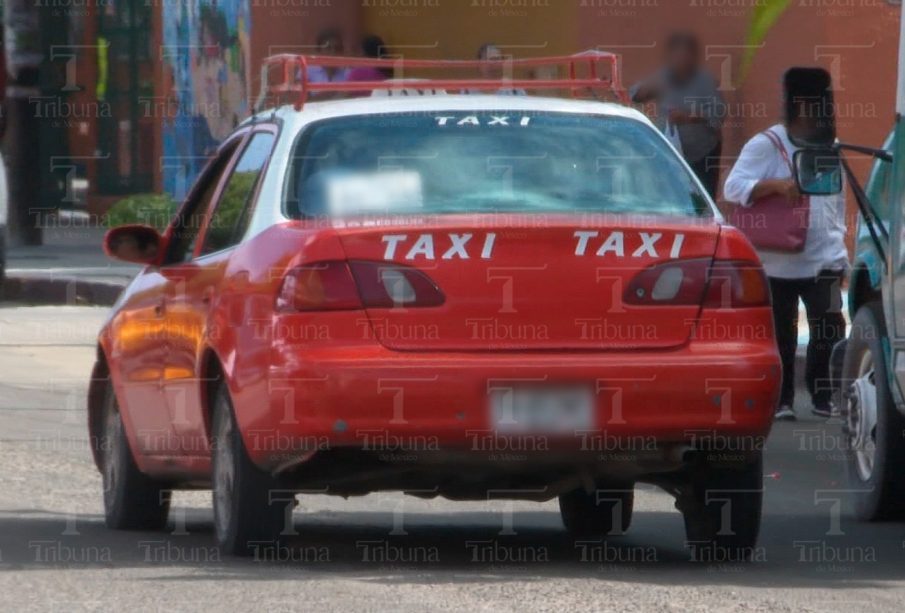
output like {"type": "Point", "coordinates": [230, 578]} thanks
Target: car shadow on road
{"type": "Point", "coordinates": [794, 551]}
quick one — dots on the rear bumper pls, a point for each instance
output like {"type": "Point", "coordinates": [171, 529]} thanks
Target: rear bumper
{"type": "Point", "coordinates": [366, 396]}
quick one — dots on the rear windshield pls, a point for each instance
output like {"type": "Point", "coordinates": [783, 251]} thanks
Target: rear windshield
{"type": "Point", "coordinates": [488, 162]}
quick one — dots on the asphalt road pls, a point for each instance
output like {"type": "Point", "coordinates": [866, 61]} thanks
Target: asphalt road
{"type": "Point", "coordinates": [390, 552]}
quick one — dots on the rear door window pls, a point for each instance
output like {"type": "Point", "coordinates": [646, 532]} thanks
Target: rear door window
{"type": "Point", "coordinates": [230, 218]}
{"type": "Point", "coordinates": [187, 223]}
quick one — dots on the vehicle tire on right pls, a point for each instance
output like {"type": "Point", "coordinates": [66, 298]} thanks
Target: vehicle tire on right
{"type": "Point", "coordinates": [873, 426]}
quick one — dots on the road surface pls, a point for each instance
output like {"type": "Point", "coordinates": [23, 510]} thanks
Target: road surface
{"type": "Point", "coordinates": [393, 553]}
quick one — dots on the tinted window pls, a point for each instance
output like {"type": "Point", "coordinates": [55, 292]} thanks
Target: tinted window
{"type": "Point", "coordinates": [505, 161]}
{"type": "Point", "coordinates": [231, 217]}
{"type": "Point", "coordinates": [188, 223]}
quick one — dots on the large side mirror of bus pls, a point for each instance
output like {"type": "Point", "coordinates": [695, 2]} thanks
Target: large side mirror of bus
{"type": "Point", "coordinates": [818, 171]}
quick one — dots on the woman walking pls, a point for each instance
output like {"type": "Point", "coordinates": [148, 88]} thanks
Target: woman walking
{"type": "Point", "coordinates": [814, 273]}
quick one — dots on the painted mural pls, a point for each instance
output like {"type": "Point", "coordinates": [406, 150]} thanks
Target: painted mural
{"type": "Point", "coordinates": [206, 71]}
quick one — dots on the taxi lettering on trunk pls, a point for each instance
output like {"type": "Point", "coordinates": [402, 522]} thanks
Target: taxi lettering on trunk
{"type": "Point", "coordinates": [466, 245]}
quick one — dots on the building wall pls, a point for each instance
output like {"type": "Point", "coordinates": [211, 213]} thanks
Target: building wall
{"type": "Point", "coordinates": [862, 54]}
{"type": "Point", "coordinates": [291, 26]}
{"type": "Point", "coordinates": [857, 43]}
{"type": "Point", "coordinates": [211, 56]}
{"type": "Point", "coordinates": [439, 29]}
{"type": "Point", "coordinates": [82, 130]}
{"type": "Point", "coordinates": [104, 118]}
{"type": "Point", "coordinates": [206, 60]}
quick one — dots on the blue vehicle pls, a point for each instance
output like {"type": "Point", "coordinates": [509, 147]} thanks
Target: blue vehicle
{"type": "Point", "coordinates": [869, 366]}
{"type": "Point", "coordinates": [871, 362]}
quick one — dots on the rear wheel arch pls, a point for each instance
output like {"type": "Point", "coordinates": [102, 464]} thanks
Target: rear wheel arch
{"type": "Point", "coordinates": [211, 374]}
{"type": "Point", "coordinates": [97, 390]}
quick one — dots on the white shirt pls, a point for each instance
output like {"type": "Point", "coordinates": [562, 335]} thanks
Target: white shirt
{"type": "Point", "coordinates": [824, 248]}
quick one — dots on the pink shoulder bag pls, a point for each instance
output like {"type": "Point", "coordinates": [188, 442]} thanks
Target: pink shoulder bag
{"type": "Point", "coordinates": [772, 223]}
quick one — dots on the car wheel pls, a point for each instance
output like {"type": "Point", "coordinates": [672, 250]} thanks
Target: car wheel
{"type": "Point", "coordinates": [248, 509]}
{"type": "Point", "coordinates": [722, 511]}
{"type": "Point", "coordinates": [605, 511]}
{"type": "Point", "coordinates": [873, 426]}
{"type": "Point", "coordinates": [132, 500]}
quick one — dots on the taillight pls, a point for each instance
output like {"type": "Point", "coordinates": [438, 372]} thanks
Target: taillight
{"type": "Point", "coordinates": [343, 286]}
{"type": "Point", "coordinates": [737, 279]}
{"type": "Point", "coordinates": [325, 286]}
{"type": "Point", "coordinates": [717, 284]}
{"type": "Point", "coordinates": [386, 285]}
{"type": "Point", "coordinates": [737, 284]}
{"type": "Point", "coordinates": [678, 282]}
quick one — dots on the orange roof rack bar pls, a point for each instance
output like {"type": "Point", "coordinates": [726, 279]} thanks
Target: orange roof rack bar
{"type": "Point", "coordinates": [293, 75]}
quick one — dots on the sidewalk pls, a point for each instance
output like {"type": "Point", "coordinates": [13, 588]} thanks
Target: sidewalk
{"type": "Point", "coordinates": [69, 268]}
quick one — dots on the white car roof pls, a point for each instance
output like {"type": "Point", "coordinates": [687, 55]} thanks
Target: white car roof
{"type": "Point", "coordinates": [314, 111]}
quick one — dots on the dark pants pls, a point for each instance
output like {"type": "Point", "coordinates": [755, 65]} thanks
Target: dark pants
{"type": "Point", "coordinates": [708, 170]}
{"type": "Point", "coordinates": [822, 297]}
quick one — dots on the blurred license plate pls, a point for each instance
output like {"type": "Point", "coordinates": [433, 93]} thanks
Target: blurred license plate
{"type": "Point", "coordinates": [542, 410]}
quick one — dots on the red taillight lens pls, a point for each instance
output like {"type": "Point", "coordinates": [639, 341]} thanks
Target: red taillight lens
{"type": "Point", "coordinates": [727, 284]}
{"type": "Point", "coordinates": [326, 286]}
{"type": "Point", "coordinates": [737, 284]}
{"type": "Point", "coordinates": [385, 285]}
{"type": "Point", "coordinates": [679, 282]}
{"type": "Point", "coordinates": [343, 286]}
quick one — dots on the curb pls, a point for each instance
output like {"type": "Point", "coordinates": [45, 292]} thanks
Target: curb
{"type": "Point", "coordinates": [60, 291]}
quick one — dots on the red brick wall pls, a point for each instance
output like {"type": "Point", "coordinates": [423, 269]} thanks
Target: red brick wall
{"type": "Point", "coordinates": [857, 44]}
{"type": "Point", "coordinates": [284, 26]}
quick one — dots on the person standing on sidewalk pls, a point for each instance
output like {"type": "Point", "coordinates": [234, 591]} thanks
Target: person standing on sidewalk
{"type": "Point", "coordinates": [329, 42]}
{"type": "Point", "coordinates": [689, 106]}
{"type": "Point", "coordinates": [491, 53]}
{"type": "Point", "coordinates": [815, 274]}
{"type": "Point", "coordinates": [373, 47]}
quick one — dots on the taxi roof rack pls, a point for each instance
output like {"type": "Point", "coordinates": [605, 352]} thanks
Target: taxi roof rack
{"type": "Point", "coordinates": [583, 78]}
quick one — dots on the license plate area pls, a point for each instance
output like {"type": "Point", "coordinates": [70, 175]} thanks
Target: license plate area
{"type": "Point", "coordinates": [556, 410]}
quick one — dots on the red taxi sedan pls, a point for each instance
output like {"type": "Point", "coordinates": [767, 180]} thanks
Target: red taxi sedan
{"type": "Point", "coordinates": [473, 297]}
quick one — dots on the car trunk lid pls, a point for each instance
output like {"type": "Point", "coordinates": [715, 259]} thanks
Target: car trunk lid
{"type": "Point", "coordinates": [533, 282]}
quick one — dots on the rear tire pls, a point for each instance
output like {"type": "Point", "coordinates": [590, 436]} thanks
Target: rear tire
{"type": "Point", "coordinates": [249, 511]}
{"type": "Point", "coordinates": [607, 511]}
{"type": "Point", "coordinates": [132, 500]}
{"type": "Point", "coordinates": [875, 457]}
{"type": "Point", "coordinates": [721, 507]}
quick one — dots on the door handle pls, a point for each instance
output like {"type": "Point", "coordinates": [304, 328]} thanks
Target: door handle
{"type": "Point", "coordinates": [207, 296]}
{"type": "Point", "coordinates": [159, 308]}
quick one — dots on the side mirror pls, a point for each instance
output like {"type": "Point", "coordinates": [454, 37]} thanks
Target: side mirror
{"type": "Point", "coordinates": [133, 243]}
{"type": "Point", "coordinates": [818, 171]}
